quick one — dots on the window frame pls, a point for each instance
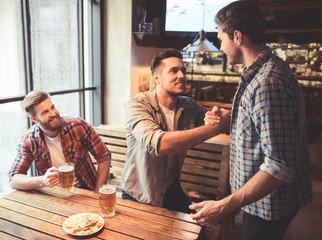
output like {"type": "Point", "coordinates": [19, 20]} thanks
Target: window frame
{"type": "Point", "coordinates": [95, 16]}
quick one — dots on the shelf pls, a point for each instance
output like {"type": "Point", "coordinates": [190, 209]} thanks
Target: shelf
{"type": "Point", "coordinates": [150, 40]}
{"type": "Point", "coordinates": [296, 31]}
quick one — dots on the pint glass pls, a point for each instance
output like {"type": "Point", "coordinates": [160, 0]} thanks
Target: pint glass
{"type": "Point", "coordinates": [66, 176]}
{"type": "Point", "coordinates": [107, 200]}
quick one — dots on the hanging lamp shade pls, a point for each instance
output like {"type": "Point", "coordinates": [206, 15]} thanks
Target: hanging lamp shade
{"type": "Point", "coordinates": [202, 44]}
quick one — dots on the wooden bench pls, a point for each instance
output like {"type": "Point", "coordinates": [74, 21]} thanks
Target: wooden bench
{"type": "Point", "coordinates": [204, 173]}
{"type": "Point", "coordinates": [115, 141]}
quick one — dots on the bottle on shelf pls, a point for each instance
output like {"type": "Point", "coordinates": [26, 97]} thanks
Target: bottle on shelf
{"type": "Point", "coordinates": [142, 23]}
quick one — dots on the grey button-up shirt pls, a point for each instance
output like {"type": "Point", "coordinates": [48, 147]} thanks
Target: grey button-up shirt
{"type": "Point", "coordinates": [147, 175]}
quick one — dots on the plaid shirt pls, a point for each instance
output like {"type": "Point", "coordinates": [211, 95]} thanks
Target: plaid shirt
{"type": "Point", "coordinates": [77, 138]}
{"type": "Point", "coordinates": [268, 132]}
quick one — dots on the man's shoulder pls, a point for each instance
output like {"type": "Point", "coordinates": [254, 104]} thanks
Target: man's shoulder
{"type": "Point", "coordinates": [30, 133]}
{"type": "Point", "coordinates": [188, 102]}
{"type": "Point", "coordinates": [187, 99]}
{"type": "Point", "coordinates": [72, 120]}
{"type": "Point", "coordinates": [143, 98]}
{"type": "Point", "coordinates": [70, 123]}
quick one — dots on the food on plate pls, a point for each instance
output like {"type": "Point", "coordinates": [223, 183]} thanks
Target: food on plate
{"type": "Point", "coordinates": [83, 224]}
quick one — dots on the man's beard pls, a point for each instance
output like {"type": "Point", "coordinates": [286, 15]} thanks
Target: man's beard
{"type": "Point", "coordinates": [174, 93]}
{"type": "Point", "coordinates": [52, 126]}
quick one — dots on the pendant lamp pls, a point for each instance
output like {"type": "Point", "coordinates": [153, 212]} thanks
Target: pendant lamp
{"type": "Point", "coordinates": [202, 44]}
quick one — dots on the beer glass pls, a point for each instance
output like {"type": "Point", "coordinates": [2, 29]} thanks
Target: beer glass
{"type": "Point", "coordinates": [66, 176]}
{"type": "Point", "coordinates": [107, 200]}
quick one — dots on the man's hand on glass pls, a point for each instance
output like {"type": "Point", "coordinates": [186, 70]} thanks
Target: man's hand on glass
{"type": "Point", "coordinates": [50, 179]}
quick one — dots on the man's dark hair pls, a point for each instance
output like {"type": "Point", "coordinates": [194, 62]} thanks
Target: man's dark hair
{"type": "Point", "coordinates": [166, 53]}
{"type": "Point", "coordinates": [244, 16]}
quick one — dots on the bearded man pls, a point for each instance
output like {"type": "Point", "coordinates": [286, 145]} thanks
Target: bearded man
{"type": "Point", "coordinates": [53, 141]}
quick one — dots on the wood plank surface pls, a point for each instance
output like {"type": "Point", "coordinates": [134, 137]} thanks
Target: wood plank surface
{"type": "Point", "coordinates": [41, 212]}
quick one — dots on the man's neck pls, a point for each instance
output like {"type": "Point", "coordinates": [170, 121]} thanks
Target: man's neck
{"type": "Point", "coordinates": [251, 54]}
{"type": "Point", "coordinates": [51, 134]}
{"type": "Point", "coordinates": [166, 100]}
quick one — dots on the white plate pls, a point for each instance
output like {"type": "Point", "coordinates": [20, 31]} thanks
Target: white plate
{"type": "Point", "coordinates": [83, 224]}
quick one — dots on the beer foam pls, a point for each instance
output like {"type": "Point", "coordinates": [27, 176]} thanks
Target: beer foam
{"type": "Point", "coordinates": [107, 190]}
{"type": "Point", "coordinates": [66, 168]}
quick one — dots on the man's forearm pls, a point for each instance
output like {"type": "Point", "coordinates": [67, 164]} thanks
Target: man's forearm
{"type": "Point", "coordinates": [24, 182]}
{"type": "Point", "coordinates": [173, 142]}
{"type": "Point", "coordinates": [259, 186]}
{"type": "Point", "coordinates": [103, 171]}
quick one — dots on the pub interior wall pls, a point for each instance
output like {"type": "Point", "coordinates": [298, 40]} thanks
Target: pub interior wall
{"type": "Point", "coordinates": [126, 64]}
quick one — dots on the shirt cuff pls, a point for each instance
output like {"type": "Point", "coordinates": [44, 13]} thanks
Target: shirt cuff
{"type": "Point", "coordinates": [277, 170]}
{"type": "Point", "coordinates": [104, 158]}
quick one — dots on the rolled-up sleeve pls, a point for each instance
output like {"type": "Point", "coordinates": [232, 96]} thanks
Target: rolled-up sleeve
{"type": "Point", "coordinates": [275, 124]}
{"type": "Point", "coordinates": [143, 126]}
{"type": "Point", "coordinates": [23, 160]}
{"type": "Point", "coordinates": [95, 144]}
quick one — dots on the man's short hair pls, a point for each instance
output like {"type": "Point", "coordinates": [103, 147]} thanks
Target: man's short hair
{"type": "Point", "coordinates": [165, 53]}
{"type": "Point", "coordinates": [244, 16]}
{"type": "Point", "coordinates": [32, 99]}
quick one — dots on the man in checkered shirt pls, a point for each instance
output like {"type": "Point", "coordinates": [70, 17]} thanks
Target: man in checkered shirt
{"type": "Point", "coordinates": [269, 164]}
{"type": "Point", "coordinates": [53, 141]}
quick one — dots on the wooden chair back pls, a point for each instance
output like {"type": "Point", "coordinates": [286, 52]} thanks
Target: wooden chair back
{"type": "Point", "coordinates": [205, 171]}
{"type": "Point", "coordinates": [115, 141]}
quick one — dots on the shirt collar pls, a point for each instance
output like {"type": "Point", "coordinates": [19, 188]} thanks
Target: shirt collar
{"type": "Point", "coordinates": [152, 98]}
{"type": "Point", "coordinates": [249, 73]}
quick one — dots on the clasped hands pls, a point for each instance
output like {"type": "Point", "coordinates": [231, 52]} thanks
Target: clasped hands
{"type": "Point", "coordinates": [218, 116]}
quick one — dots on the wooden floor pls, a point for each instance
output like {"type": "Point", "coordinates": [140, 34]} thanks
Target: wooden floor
{"type": "Point", "coordinates": [307, 225]}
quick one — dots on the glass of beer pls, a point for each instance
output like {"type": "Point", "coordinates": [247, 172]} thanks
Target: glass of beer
{"type": "Point", "coordinates": [107, 200]}
{"type": "Point", "coordinates": [66, 176]}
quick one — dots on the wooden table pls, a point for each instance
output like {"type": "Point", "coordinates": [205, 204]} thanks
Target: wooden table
{"type": "Point", "coordinates": [39, 214]}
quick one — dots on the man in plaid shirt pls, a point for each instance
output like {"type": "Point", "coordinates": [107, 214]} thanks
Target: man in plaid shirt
{"type": "Point", "coordinates": [53, 141]}
{"type": "Point", "coordinates": [269, 164]}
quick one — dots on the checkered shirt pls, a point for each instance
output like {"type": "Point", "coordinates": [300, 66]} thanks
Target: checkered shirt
{"type": "Point", "coordinates": [268, 132]}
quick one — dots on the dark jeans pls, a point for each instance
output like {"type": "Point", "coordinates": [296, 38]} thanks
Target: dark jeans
{"type": "Point", "coordinates": [174, 199]}
{"type": "Point", "coordinates": [255, 228]}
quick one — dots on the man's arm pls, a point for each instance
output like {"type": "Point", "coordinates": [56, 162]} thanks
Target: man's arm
{"type": "Point", "coordinates": [25, 182]}
{"type": "Point", "coordinates": [102, 155]}
{"type": "Point", "coordinates": [259, 186]}
{"type": "Point", "coordinates": [179, 141]}
{"type": "Point", "coordinates": [103, 171]}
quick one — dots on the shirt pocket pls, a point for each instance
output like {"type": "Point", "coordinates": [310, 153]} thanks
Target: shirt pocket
{"type": "Point", "coordinates": [244, 123]}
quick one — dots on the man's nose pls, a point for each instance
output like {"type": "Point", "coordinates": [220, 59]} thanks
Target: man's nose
{"type": "Point", "coordinates": [181, 74]}
{"type": "Point", "coordinates": [53, 112]}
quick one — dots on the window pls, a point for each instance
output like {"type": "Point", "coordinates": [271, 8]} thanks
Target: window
{"type": "Point", "coordinates": [49, 45]}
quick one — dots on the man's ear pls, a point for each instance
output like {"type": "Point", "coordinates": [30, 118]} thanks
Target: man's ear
{"type": "Point", "coordinates": [156, 78]}
{"type": "Point", "coordinates": [33, 119]}
{"type": "Point", "coordinates": [238, 37]}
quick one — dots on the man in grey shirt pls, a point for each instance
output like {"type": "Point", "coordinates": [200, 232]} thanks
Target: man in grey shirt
{"type": "Point", "coordinates": [160, 127]}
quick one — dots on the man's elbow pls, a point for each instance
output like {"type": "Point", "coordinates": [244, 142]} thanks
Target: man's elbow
{"type": "Point", "coordinates": [13, 184]}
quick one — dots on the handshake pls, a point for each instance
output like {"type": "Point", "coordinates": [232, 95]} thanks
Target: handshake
{"type": "Point", "coordinates": [218, 116]}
